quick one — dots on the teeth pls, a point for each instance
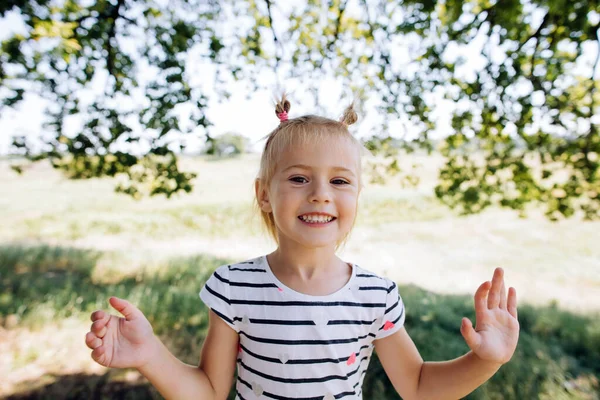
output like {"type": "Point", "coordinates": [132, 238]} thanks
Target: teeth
{"type": "Point", "coordinates": [316, 218]}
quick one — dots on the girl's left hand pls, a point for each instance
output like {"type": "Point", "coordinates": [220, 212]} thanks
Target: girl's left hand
{"type": "Point", "coordinates": [496, 332]}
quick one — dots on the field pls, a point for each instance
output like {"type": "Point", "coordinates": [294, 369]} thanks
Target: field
{"type": "Point", "coordinates": [66, 246]}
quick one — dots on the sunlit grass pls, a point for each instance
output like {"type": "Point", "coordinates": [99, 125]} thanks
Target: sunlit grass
{"type": "Point", "coordinates": [66, 246]}
{"type": "Point", "coordinates": [396, 227]}
{"type": "Point", "coordinates": [558, 354]}
{"type": "Point", "coordinates": [218, 208]}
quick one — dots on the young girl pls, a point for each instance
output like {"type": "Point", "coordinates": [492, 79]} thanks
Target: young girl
{"type": "Point", "coordinates": [300, 323]}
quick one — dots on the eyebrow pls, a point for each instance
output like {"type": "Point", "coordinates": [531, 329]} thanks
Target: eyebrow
{"type": "Point", "coordinates": [302, 166]}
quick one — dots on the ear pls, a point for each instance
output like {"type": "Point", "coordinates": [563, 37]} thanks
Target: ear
{"type": "Point", "coordinates": [262, 196]}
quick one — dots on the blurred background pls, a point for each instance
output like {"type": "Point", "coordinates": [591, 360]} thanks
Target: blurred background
{"type": "Point", "coordinates": [130, 135]}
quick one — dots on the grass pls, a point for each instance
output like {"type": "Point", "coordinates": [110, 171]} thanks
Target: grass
{"type": "Point", "coordinates": [222, 208]}
{"type": "Point", "coordinates": [210, 220]}
{"type": "Point", "coordinates": [66, 246]}
{"type": "Point", "coordinates": [558, 354]}
{"type": "Point", "coordinates": [207, 220]}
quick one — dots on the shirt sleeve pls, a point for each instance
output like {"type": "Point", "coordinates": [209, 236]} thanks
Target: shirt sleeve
{"type": "Point", "coordinates": [393, 317]}
{"type": "Point", "coordinates": [216, 295]}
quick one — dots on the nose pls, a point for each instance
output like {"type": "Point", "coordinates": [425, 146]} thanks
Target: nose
{"type": "Point", "coordinates": [320, 192]}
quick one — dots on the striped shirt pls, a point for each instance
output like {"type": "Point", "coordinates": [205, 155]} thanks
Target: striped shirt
{"type": "Point", "coordinates": [299, 346]}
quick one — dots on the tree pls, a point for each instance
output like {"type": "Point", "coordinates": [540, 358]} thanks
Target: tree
{"type": "Point", "coordinates": [228, 144]}
{"type": "Point", "coordinates": [522, 127]}
{"type": "Point", "coordinates": [70, 45]}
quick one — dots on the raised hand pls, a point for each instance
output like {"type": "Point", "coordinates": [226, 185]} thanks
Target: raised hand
{"type": "Point", "coordinates": [120, 342]}
{"type": "Point", "coordinates": [496, 331]}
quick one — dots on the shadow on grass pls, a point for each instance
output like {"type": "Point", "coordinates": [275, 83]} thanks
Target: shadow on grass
{"type": "Point", "coordinates": [92, 387]}
{"type": "Point", "coordinates": [558, 355]}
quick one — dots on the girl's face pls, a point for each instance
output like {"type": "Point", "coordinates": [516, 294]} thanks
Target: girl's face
{"type": "Point", "coordinates": [314, 193]}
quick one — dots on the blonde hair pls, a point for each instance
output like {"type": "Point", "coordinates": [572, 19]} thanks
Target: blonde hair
{"type": "Point", "coordinates": [300, 131]}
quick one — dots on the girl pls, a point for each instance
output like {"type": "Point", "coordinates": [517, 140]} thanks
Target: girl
{"type": "Point", "coordinates": [300, 323]}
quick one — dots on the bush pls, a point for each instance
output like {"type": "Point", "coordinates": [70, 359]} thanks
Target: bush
{"type": "Point", "coordinates": [229, 144]}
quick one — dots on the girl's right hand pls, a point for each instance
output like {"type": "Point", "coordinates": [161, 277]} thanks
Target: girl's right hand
{"type": "Point", "coordinates": [120, 342]}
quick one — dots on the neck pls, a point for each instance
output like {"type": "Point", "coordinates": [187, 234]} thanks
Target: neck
{"type": "Point", "coordinates": [305, 263]}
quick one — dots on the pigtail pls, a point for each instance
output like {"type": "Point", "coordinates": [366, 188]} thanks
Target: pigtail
{"type": "Point", "coordinates": [281, 108]}
{"type": "Point", "coordinates": [349, 117]}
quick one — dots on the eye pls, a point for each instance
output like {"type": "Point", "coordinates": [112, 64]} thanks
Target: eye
{"type": "Point", "coordinates": [298, 179]}
{"type": "Point", "coordinates": [339, 181]}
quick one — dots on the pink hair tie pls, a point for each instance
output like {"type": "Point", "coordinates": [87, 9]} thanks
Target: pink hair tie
{"type": "Point", "coordinates": [282, 116]}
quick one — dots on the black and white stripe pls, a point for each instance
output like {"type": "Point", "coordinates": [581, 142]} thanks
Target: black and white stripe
{"type": "Point", "coordinates": [296, 346]}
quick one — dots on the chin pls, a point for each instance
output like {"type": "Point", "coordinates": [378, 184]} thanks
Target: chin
{"type": "Point", "coordinates": [318, 242]}
{"type": "Point", "coordinates": [311, 240]}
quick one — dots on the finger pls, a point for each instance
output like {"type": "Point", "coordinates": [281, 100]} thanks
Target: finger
{"type": "Point", "coordinates": [494, 294]}
{"type": "Point", "coordinates": [481, 297]}
{"type": "Point", "coordinates": [129, 311]}
{"type": "Point", "coordinates": [92, 341]}
{"type": "Point", "coordinates": [96, 315]}
{"type": "Point", "coordinates": [502, 303]}
{"type": "Point", "coordinates": [99, 328]}
{"type": "Point", "coordinates": [471, 337]}
{"type": "Point", "coordinates": [98, 354]}
{"type": "Point", "coordinates": [511, 304]}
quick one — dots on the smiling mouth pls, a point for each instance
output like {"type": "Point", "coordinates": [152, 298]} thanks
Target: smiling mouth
{"type": "Point", "coordinates": [316, 219]}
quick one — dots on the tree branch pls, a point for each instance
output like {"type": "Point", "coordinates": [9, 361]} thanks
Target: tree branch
{"type": "Point", "coordinates": [275, 40]}
{"type": "Point", "coordinates": [593, 129]}
{"type": "Point", "coordinates": [384, 55]}
{"type": "Point", "coordinates": [79, 20]}
{"type": "Point", "coordinates": [596, 28]}
{"type": "Point", "coordinates": [110, 62]}
{"type": "Point", "coordinates": [487, 18]}
{"type": "Point", "coordinates": [536, 34]}
{"type": "Point", "coordinates": [338, 22]}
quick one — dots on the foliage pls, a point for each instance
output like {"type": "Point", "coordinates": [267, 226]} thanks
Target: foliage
{"type": "Point", "coordinates": [558, 356]}
{"type": "Point", "coordinates": [228, 144]}
{"type": "Point", "coordinates": [380, 169]}
{"type": "Point", "coordinates": [525, 101]}
{"type": "Point", "coordinates": [70, 47]}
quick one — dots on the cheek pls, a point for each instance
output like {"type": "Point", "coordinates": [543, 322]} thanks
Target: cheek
{"type": "Point", "coordinates": [287, 195]}
{"type": "Point", "coordinates": [286, 200]}
{"type": "Point", "coordinates": [348, 203]}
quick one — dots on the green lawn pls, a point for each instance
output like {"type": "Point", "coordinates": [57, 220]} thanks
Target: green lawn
{"type": "Point", "coordinates": [558, 354]}
{"type": "Point", "coordinates": [66, 246]}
